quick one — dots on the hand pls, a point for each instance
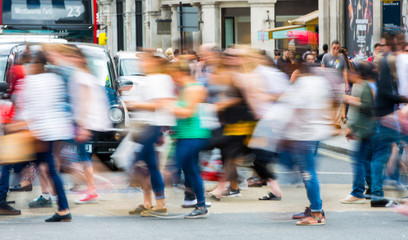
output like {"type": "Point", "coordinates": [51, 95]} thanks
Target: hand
{"type": "Point", "coordinates": [349, 135]}
{"type": "Point", "coordinates": [347, 87]}
{"type": "Point", "coordinates": [346, 99]}
{"type": "Point", "coordinates": [83, 135]}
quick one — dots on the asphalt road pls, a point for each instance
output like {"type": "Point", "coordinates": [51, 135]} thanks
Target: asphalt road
{"type": "Point", "coordinates": [349, 225]}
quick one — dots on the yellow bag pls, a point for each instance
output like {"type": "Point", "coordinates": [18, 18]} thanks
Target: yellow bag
{"type": "Point", "coordinates": [17, 147]}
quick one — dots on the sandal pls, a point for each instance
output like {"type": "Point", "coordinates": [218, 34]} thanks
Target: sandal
{"type": "Point", "coordinates": [213, 197]}
{"type": "Point", "coordinates": [270, 196]}
{"type": "Point", "coordinates": [312, 220]}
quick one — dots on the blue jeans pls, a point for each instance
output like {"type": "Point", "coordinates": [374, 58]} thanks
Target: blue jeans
{"type": "Point", "coordinates": [4, 181]}
{"type": "Point", "coordinates": [382, 143]}
{"type": "Point", "coordinates": [362, 168]}
{"type": "Point", "coordinates": [302, 153]}
{"type": "Point", "coordinates": [148, 155]}
{"type": "Point", "coordinates": [187, 151]}
{"type": "Point", "coordinates": [48, 158]}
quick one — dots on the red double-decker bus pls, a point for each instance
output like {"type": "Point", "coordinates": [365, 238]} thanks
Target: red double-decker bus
{"type": "Point", "coordinates": [74, 20]}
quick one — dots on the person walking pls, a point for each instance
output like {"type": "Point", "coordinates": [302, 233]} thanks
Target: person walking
{"type": "Point", "coordinates": [149, 118]}
{"type": "Point", "coordinates": [46, 112]}
{"type": "Point", "coordinates": [191, 137]}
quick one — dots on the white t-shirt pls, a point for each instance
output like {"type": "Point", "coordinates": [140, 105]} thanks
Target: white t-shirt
{"type": "Point", "coordinates": [310, 97]}
{"type": "Point", "coordinates": [155, 86]}
{"type": "Point", "coordinates": [46, 108]}
{"type": "Point", "coordinates": [97, 115]}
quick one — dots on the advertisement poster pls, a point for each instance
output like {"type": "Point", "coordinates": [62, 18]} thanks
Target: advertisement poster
{"type": "Point", "coordinates": [391, 16]}
{"type": "Point", "coordinates": [359, 28]}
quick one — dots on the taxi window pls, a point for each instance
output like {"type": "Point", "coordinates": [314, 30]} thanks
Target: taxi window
{"type": "Point", "coordinates": [3, 65]}
{"type": "Point", "coordinates": [99, 66]}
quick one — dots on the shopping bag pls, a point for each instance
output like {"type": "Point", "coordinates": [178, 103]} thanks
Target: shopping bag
{"type": "Point", "coordinates": [17, 148]}
{"type": "Point", "coordinates": [208, 116]}
{"type": "Point", "coordinates": [125, 153]}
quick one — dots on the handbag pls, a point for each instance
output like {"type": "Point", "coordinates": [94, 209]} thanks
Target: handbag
{"type": "Point", "coordinates": [17, 147]}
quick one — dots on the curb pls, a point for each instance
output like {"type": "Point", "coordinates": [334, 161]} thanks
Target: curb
{"type": "Point", "coordinates": [336, 149]}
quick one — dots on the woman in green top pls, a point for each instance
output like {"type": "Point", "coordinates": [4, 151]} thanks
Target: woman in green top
{"type": "Point", "coordinates": [191, 138]}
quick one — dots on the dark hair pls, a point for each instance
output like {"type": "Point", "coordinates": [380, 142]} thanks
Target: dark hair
{"type": "Point", "coordinates": [276, 52]}
{"type": "Point", "coordinates": [335, 42]}
{"type": "Point", "coordinates": [377, 45]}
{"type": "Point", "coordinates": [37, 57]}
{"type": "Point", "coordinates": [325, 47]}
{"type": "Point", "coordinates": [176, 52]}
{"type": "Point", "coordinates": [390, 41]}
{"type": "Point", "coordinates": [366, 70]}
{"type": "Point", "coordinates": [309, 54]}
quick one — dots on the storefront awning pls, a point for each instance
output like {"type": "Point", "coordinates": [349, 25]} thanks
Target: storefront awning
{"type": "Point", "coordinates": [297, 26]}
{"type": "Point", "coordinates": [305, 19]}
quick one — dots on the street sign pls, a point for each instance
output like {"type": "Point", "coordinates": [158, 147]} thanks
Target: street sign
{"type": "Point", "coordinates": [189, 17]}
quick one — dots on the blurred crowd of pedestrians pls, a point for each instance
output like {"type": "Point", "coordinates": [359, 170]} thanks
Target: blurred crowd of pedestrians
{"type": "Point", "coordinates": [239, 105]}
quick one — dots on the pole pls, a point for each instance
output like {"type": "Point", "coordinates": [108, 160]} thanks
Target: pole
{"type": "Point", "coordinates": [181, 28]}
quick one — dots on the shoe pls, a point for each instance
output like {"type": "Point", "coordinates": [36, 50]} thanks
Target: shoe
{"type": "Point", "coordinates": [231, 193]}
{"type": "Point", "coordinates": [41, 203]}
{"type": "Point", "coordinates": [189, 203]}
{"type": "Point", "coordinates": [270, 196]}
{"type": "Point", "coordinates": [353, 200]}
{"type": "Point", "coordinates": [382, 203]}
{"type": "Point", "coordinates": [87, 198]}
{"type": "Point", "coordinates": [59, 218]}
{"type": "Point", "coordinates": [306, 213]}
{"type": "Point", "coordinates": [401, 209]}
{"type": "Point", "coordinates": [312, 220]}
{"type": "Point", "coordinates": [256, 182]}
{"type": "Point", "coordinates": [138, 210]}
{"type": "Point", "coordinates": [197, 213]}
{"type": "Point", "coordinates": [19, 188]}
{"type": "Point", "coordinates": [193, 204]}
{"type": "Point", "coordinates": [6, 209]}
{"type": "Point", "coordinates": [154, 212]}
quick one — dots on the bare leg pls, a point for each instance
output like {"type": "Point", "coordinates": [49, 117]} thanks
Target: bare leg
{"type": "Point", "coordinates": [45, 183]}
{"type": "Point", "coordinates": [275, 189]}
{"type": "Point", "coordinates": [89, 178]}
{"type": "Point", "coordinates": [160, 203]}
{"type": "Point", "coordinates": [234, 185]}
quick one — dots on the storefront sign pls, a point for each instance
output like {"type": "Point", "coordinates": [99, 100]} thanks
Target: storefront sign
{"type": "Point", "coordinates": [359, 28]}
{"type": "Point", "coordinates": [284, 34]}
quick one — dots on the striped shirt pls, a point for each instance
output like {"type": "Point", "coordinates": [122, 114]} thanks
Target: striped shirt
{"type": "Point", "coordinates": [46, 108]}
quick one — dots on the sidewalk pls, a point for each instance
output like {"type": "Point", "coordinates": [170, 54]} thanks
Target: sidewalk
{"type": "Point", "coordinates": [119, 200]}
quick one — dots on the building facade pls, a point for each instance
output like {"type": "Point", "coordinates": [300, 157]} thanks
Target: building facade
{"type": "Point", "coordinates": [222, 22]}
